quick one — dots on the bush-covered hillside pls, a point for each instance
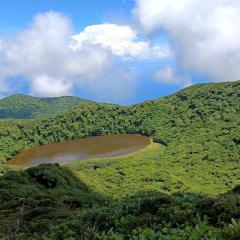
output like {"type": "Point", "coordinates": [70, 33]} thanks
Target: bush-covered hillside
{"type": "Point", "coordinates": [50, 202]}
{"type": "Point", "coordinates": [20, 106]}
{"type": "Point", "coordinates": [200, 122]}
{"type": "Point", "coordinates": [185, 188]}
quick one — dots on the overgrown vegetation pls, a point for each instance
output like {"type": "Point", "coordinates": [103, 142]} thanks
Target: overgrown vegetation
{"type": "Point", "coordinates": [49, 202]}
{"type": "Point", "coordinates": [181, 189]}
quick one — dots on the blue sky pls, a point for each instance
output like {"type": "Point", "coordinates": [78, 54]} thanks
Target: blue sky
{"type": "Point", "coordinates": [15, 14]}
{"type": "Point", "coordinates": [116, 55]}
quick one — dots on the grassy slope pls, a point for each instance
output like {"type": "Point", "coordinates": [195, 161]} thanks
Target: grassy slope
{"type": "Point", "coordinates": [199, 131]}
{"type": "Point", "coordinates": [151, 170]}
{"type": "Point", "coordinates": [139, 196]}
{"type": "Point", "coordinates": [20, 106]}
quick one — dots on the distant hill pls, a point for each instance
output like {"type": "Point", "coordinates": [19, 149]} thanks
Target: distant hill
{"type": "Point", "coordinates": [21, 106]}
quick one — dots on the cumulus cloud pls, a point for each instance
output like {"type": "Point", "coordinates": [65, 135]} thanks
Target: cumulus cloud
{"type": "Point", "coordinates": [49, 86]}
{"type": "Point", "coordinates": [204, 34]}
{"type": "Point", "coordinates": [168, 75]}
{"type": "Point", "coordinates": [121, 40]}
{"type": "Point", "coordinates": [42, 55]}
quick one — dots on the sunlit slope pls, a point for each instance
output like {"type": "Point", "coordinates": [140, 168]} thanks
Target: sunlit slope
{"type": "Point", "coordinates": [151, 169]}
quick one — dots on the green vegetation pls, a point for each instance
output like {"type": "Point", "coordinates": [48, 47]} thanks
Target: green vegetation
{"type": "Point", "coordinates": [186, 187]}
{"type": "Point", "coordinates": [50, 202]}
{"type": "Point", "coordinates": [20, 106]}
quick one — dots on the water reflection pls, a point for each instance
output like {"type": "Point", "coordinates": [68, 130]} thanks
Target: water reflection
{"type": "Point", "coordinates": [91, 147]}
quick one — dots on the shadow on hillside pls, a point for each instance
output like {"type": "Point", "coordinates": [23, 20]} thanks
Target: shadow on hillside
{"type": "Point", "coordinates": [39, 197]}
{"type": "Point", "coordinates": [48, 192]}
{"type": "Point", "coordinates": [148, 209]}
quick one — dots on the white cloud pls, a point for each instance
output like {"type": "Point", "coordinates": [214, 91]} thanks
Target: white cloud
{"type": "Point", "coordinates": [168, 75]}
{"type": "Point", "coordinates": [122, 40]}
{"type": "Point", "coordinates": [204, 34]}
{"type": "Point", "coordinates": [48, 86]}
{"type": "Point", "coordinates": [41, 54]}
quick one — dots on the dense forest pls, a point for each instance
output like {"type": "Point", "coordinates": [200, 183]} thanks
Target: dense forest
{"type": "Point", "coordinates": [185, 186]}
{"type": "Point", "coordinates": [205, 118]}
{"type": "Point", "coordinates": [21, 106]}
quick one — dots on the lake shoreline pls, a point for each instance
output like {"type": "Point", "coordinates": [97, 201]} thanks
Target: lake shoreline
{"type": "Point", "coordinates": [80, 150]}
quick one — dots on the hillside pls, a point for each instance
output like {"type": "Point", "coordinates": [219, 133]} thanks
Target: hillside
{"type": "Point", "coordinates": [207, 113]}
{"type": "Point", "coordinates": [186, 187]}
{"type": "Point", "coordinates": [21, 106]}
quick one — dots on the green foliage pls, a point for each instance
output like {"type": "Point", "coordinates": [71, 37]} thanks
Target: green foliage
{"type": "Point", "coordinates": [177, 190]}
{"type": "Point", "coordinates": [200, 123]}
{"type": "Point", "coordinates": [32, 207]}
{"type": "Point", "coordinates": [20, 106]}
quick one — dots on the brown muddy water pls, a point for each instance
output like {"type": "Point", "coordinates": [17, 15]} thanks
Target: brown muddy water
{"type": "Point", "coordinates": [84, 148]}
